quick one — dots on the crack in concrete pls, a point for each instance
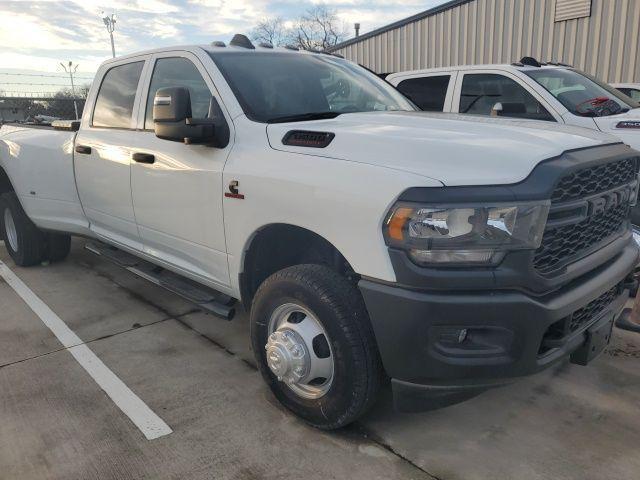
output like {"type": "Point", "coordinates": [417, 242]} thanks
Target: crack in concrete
{"type": "Point", "coordinates": [177, 318]}
{"type": "Point", "coordinates": [22, 360]}
{"type": "Point", "coordinates": [217, 344]}
{"type": "Point", "coordinates": [136, 326]}
{"type": "Point", "coordinates": [365, 434]}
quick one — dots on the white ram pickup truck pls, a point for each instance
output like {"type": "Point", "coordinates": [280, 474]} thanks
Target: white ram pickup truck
{"type": "Point", "coordinates": [369, 241]}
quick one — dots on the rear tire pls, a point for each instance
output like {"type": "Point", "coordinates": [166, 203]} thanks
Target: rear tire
{"type": "Point", "coordinates": [58, 246]}
{"type": "Point", "coordinates": [336, 308]}
{"type": "Point", "coordinates": [23, 240]}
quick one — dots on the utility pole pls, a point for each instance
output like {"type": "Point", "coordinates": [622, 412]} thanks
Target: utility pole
{"type": "Point", "coordinates": [71, 71]}
{"type": "Point", "coordinates": [110, 23]}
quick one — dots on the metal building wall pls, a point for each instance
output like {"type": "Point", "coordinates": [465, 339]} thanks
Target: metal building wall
{"type": "Point", "coordinates": [606, 44]}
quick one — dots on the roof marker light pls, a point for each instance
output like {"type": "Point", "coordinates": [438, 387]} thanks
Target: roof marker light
{"type": "Point", "coordinates": [240, 40]}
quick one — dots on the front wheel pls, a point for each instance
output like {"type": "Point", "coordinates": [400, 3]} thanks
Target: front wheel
{"type": "Point", "coordinates": [314, 345]}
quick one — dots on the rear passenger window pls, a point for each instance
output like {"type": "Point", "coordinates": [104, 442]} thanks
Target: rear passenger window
{"type": "Point", "coordinates": [178, 72]}
{"type": "Point", "coordinates": [114, 105]}
{"type": "Point", "coordinates": [428, 93]}
{"type": "Point", "coordinates": [631, 93]}
{"type": "Point", "coordinates": [481, 92]}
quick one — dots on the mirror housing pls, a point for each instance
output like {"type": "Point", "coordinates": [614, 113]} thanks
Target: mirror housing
{"type": "Point", "coordinates": [509, 109]}
{"type": "Point", "coordinates": [171, 105]}
{"type": "Point", "coordinates": [172, 119]}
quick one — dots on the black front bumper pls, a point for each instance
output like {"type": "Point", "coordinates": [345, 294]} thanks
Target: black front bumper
{"type": "Point", "coordinates": [505, 333]}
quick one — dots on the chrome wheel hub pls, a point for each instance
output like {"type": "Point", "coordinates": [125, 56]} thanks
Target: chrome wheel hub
{"type": "Point", "coordinates": [10, 228]}
{"type": "Point", "coordinates": [298, 351]}
{"type": "Point", "coordinates": [287, 356]}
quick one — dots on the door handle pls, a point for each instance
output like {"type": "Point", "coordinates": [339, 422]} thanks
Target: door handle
{"type": "Point", "coordinates": [83, 149]}
{"type": "Point", "coordinates": [143, 157]}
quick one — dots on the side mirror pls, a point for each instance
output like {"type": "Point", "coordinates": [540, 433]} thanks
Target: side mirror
{"type": "Point", "coordinates": [172, 119]}
{"type": "Point", "coordinates": [509, 109]}
{"type": "Point", "coordinates": [171, 105]}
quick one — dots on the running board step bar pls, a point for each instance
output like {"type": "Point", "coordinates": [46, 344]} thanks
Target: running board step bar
{"type": "Point", "coordinates": [207, 299]}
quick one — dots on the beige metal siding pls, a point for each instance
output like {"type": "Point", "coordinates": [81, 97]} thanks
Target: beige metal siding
{"type": "Point", "coordinates": [569, 9]}
{"type": "Point", "coordinates": [605, 44]}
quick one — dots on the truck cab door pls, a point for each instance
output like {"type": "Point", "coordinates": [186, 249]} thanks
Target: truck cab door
{"type": "Point", "coordinates": [478, 91]}
{"type": "Point", "coordinates": [177, 188]}
{"type": "Point", "coordinates": [431, 92]}
{"type": "Point", "coordinates": [102, 157]}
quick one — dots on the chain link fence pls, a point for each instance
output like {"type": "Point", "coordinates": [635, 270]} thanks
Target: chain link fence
{"type": "Point", "coordinates": [41, 97]}
{"type": "Point", "coordinates": [39, 109]}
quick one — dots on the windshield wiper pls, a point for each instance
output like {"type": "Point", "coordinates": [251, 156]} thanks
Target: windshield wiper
{"type": "Point", "coordinates": [301, 117]}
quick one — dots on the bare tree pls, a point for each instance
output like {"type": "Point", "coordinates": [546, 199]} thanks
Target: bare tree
{"type": "Point", "coordinates": [270, 30]}
{"type": "Point", "coordinates": [319, 28]}
{"type": "Point", "coordinates": [83, 90]}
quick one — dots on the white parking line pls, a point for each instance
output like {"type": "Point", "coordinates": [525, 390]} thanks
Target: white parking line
{"type": "Point", "coordinates": [150, 424]}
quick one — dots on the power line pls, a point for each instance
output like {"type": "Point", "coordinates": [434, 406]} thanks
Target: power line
{"type": "Point", "coordinates": [27, 83]}
{"type": "Point", "coordinates": [28, 95]}
{"type": "Point", "coordinates": [40, 75]}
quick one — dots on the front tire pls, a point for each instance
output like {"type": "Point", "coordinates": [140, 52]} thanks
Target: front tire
{"type": "Point", "coordinates": [303, 318]}
{"type": "Point", "coordinates": [24, 241]}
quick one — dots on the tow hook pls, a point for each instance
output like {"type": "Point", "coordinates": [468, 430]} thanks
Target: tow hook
{"type": "Point", "coordinates": [632, 282]}
{"type": "Point", "coordinates": [628, 319]}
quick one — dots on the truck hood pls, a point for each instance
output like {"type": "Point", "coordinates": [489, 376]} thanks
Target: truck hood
{"type": "Point", "coordinates": [629, 135]}
{"type": "Point", "coordinates": [454, 149]}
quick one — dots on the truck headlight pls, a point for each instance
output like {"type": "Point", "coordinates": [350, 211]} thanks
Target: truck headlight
{"type": "Point", "coordinates": [461, 235]}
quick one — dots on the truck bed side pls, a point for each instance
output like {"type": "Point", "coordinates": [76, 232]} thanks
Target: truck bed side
{"type": "Point", "coordinates": [39, 164]}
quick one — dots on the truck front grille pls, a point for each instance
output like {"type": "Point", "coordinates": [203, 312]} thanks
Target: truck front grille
{"type": "Point", "coordinates": [578, 320]}
{"type": "Point", "coordinates": [566, 242]}
{"type": "Point", "coordinates": [584, 315]}
{"type": "Point", "coordinates": [589, 181]}
{"type": "Point", "coordinates": [561, 245]}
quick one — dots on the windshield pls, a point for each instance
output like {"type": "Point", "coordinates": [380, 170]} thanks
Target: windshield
{"type": "Point", "coordinates": [582, 94]}
{"type": "Point", "coordinates": [280, 86]}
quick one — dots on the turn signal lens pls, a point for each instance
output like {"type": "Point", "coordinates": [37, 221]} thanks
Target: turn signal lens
{"type": "Point", "coordinates": [397, 221]}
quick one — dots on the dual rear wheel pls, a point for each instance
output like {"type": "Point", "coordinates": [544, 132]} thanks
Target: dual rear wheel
{"type": "Point", "coordinates": [26, 243]}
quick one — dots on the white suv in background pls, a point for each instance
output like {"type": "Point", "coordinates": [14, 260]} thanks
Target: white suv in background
{"type": "Point", "coordinates": [526, 89]}
{"type": "Point", "coordinates": [631, 90]}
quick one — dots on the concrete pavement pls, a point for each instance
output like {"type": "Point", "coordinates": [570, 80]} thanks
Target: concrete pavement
{"type": "Point", "coordinates": [197, 373]}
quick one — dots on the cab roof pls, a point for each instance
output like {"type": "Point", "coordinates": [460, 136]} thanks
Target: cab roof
{"type": "Point", "coordinates": [525, 64]}
{"type": "Point", "coordinates": [239, 43]}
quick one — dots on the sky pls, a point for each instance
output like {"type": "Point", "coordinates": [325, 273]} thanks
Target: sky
{"type": "Point", "coordinates": [36, 35]}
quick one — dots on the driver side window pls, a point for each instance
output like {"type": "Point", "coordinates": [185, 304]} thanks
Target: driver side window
{"type": "Point", "coordinates": [178, 72]}
{"type": "Point", "coordinates": [482, 91]}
